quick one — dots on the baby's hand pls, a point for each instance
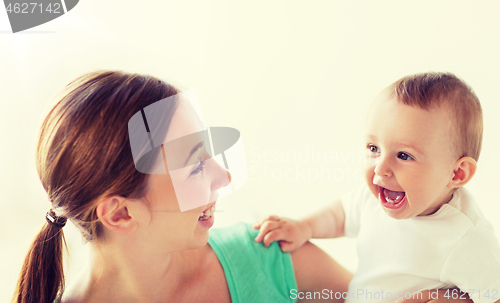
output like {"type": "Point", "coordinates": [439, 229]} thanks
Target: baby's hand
{"type": "Point", "coordinates": [290, 233]}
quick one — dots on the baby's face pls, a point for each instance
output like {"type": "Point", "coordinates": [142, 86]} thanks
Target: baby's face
{"type": "Point", "coordinates": [409, 161]}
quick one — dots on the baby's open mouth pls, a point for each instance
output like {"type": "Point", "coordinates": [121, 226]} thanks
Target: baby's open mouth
{"type": "Point", "coordinates": [207, 213]}
{"type": "Point", "coordinates": [393, 197]}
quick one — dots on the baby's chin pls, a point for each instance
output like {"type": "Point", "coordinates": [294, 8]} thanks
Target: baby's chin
{"type": "Point", "coordinates": [399, 215]}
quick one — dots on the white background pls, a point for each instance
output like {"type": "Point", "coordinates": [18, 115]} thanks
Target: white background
{"type": "Point", "coordinates": [295, 77]}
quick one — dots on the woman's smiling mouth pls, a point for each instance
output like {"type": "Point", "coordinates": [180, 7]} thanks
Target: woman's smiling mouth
{"type": "Point", "coordinates": [207, 213]}
{"type": "Point", "coordinates": [206, 218]}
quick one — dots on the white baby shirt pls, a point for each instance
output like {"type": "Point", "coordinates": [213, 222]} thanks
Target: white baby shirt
{"type": "Point", "coordinates": [455, 246]}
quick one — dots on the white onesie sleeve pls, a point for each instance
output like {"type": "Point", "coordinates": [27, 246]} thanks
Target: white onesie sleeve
{"type": "Point", "coordinates": [353, 203]}
{"type": "Point", "coordinates": [474, 265]}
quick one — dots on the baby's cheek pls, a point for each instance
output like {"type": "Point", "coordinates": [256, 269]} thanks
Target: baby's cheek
{"type": "Point", "coordinates": [369, 174]}
{"type": "Point", "coordinates": [368, 169]}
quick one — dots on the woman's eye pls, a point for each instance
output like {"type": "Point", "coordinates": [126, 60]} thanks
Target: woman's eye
{"type": "Point", "coordinates": [404, 156]}
{"type": "Point", "coordinates": [373, 148]}
{"type": "Point", "coordinates": [199, 169]}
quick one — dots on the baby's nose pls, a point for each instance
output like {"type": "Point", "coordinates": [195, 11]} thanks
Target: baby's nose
{"type": "Point", "coordinates": [382, 169]}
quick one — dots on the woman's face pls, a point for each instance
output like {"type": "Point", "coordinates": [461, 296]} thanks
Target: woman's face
{"type": "Point", "coordinates": [195, 183]}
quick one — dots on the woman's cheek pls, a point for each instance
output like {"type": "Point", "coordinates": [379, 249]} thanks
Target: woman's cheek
{"type": "Point", "coordinates": [200, 187]}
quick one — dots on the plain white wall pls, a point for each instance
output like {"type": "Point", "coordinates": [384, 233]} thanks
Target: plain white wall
{"type": "Point", "coordinates": [295, 77]}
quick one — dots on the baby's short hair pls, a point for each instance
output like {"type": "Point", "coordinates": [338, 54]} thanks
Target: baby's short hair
{"type": "Point", "coordinates": [429, 90]}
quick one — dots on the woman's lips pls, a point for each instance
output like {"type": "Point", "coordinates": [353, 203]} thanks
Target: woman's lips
{"type": "Point", "coordinates": [207, 223]}
{"type": "Point", "coordinates": [207, 213]}
{"type": "Point", "coordinates": [206, 219]}
{"type": "Point", "coordinates": [391, 199]}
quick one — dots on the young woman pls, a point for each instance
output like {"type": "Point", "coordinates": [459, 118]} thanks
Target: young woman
{"type": "Point", "coordinates": [144, 248]}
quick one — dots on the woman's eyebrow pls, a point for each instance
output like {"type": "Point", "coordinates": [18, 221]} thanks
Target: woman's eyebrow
{"type": "Point", "coordinates": [195, 148]}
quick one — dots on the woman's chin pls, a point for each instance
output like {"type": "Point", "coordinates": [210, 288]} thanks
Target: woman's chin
{"type": "Point", "coordinates": [202, 231]}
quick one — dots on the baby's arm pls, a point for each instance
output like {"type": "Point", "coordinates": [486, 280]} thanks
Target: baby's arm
{"type": "Point", "coordinates": [327, 223]}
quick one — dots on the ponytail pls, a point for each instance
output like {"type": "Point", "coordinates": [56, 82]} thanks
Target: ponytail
{"type": "Point", "coordinates": [90, 115]}
{"type": "Point", "coordinates": [42, 278]}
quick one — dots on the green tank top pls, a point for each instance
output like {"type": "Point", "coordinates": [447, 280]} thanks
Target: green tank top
{"type": "Point", "coordinates": [253, 272]}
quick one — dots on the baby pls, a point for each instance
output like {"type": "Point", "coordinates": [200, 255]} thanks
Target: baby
{"type": "Point", "coordinates": [417, 227]}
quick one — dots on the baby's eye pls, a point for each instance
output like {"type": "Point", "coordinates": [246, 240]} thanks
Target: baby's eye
{"type": "Point", "coordinates": [404, 156]}
{"type": "Point", "coordinates": [373, 148]}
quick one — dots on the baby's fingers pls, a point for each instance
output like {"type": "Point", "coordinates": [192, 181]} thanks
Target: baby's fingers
{"type": "Point", "coordinates": [272, 236]}
{"type": "Point", "coordinates": [266, 227]}
{"type": "Point", "coordinates": [287, 246]}
{"type": "Point", "coordinates": [259, 222]}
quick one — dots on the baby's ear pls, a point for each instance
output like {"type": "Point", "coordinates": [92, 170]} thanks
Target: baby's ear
{"type": "Point", "coordinates": [115, 215]}
{"type": "Point", "coordinates": [463, 170]}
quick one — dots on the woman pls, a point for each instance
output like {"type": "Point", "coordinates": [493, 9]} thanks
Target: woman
{"type": "Point", "coordinates": [144, 248]}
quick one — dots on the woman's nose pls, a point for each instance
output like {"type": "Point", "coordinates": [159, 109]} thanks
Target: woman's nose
{"type": "Point", "coordinates": [222, 177]}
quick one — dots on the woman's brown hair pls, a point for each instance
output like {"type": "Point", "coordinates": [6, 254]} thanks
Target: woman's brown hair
{"type": "Point", "coordinates": [84, 154]}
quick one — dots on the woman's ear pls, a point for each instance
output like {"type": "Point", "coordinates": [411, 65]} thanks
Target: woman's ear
{"type": "Point", "coordinates": [463, 170]}
{"type": "Point", "coordinates": [115, 215]}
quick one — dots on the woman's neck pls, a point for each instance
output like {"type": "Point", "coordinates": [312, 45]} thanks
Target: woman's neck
{"type": "Point", "coordinates": [130, 275]}
{"type": "Point", "coordinates": [182, 276]}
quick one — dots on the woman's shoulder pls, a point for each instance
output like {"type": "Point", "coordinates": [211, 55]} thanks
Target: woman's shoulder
{"type": "Point", "coordinates": [237, 233]}
{"type": "Point", "coordinates": [236, 242]}
{"type": "Point", "coordinates": [240, 238]}
{"type": "Point", "coordinates": [246, 262]}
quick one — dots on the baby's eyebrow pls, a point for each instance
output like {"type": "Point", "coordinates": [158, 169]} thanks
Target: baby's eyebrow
{"type": "Point", "coordinates": [412, 146]}
{"type": "Point", "coordinates": [398, 144]}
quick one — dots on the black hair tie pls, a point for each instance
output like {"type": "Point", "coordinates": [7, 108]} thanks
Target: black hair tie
{"type": "Point", "coordinates": [53, 219]}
